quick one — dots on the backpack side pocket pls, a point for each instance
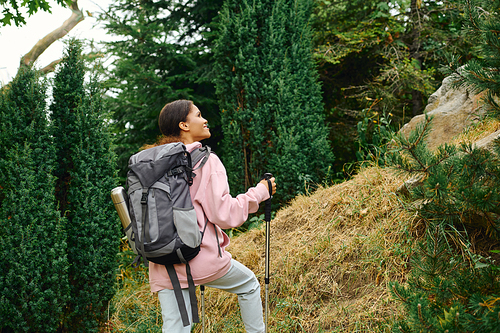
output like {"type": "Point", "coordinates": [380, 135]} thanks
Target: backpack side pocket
{"type": "Point", "coordinates": [186, 224]}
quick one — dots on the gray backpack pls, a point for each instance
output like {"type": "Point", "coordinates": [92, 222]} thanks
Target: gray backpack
{"type": "Point", "coordinates": [163, 220]}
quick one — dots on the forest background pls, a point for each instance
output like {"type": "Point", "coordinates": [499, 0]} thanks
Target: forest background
{"type": "Point", "coordinates": [375, 61]}
{"type": "Point", "coordinates": [345, 73]}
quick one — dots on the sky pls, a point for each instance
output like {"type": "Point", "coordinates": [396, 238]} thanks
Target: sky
{"type": "Point", "coordinates": [17, 41]}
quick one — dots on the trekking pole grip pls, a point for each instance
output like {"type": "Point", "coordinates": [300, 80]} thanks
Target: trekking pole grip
{"type": "Point", "coordinates": [267, 212]}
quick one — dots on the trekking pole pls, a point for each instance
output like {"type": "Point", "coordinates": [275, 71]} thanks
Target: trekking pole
{"type": "Point", "coordinates": [267, 217]}
{"type": "Point", "coordinates": [202, 292]}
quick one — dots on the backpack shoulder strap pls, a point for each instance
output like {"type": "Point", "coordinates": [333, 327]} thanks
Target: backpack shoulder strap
{"type": "Point", "coordinates": [199, 154]}
{"type": "Point", "coordinates": [178, 294]}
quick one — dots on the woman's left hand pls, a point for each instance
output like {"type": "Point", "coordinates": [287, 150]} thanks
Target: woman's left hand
{"type": "Point", "coordinates": [273, 184]}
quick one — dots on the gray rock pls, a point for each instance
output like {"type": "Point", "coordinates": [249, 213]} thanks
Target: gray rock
{"type": "Point", "coordinates": [453, 110]}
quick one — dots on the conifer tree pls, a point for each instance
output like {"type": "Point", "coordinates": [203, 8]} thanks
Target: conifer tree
{"type": "Point", "coordinates": [164, 54]}
{"type": "Point", "coordinates": [86, 172]}
{"type": "Point", "coordinates": [452, 287]}
{"type": "Point", "coordinates": [34, 266]}
{"type": "Point", "coordinates": [272, 114]}
{"type": "Point", "coordinates": [481, 74]}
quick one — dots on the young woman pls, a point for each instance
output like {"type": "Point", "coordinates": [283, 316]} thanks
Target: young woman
{"type": "Point", "coordinates": [181, 121]}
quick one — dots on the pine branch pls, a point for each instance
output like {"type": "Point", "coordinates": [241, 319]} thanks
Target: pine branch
{"type": "Point", "coordinates": [491, 223]}
{"type": "Point", "coordinates": [469, 5]}
{"type": "Point", "coordinates": [421, 318]}
{"type": "Point", "coordinates": [442, 159]}
{"type": "Point", "coordinates": [481, 77]}
{"type": "Point", "coordinates": [413, 145]}
{"type": "Point", "coordinates": [401, 298]}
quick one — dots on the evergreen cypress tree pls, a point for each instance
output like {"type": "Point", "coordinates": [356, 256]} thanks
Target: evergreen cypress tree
{"type": "Point", "coordinates": [87, 169]}
{"type": "Point", "coordinates": [34, 266]}
{"type": "Point", "coordinates": [238, 61]}
{"type": "Point", "coordinates": [272, 113]}
{"type": "Point", "coordinates": [68, 94]}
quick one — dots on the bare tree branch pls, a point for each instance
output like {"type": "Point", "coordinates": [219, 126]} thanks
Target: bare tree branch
{"type": "Point", "coordinates": [50, 67]}
{"type": "Point", "coordinates": [75, 18]}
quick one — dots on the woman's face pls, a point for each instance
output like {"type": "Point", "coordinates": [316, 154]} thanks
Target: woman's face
{"type": "Point", "coordinates": [197, 125]}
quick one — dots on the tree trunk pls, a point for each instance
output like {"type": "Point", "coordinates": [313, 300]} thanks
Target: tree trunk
{"type": "Point", "coordinates": [29, 58]}
{"type": "Point", "coordinates": [416, 99]}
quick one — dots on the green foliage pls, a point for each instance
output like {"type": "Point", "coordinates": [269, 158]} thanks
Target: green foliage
{"type": "Point", "coordinates": [86, 172]}
{"type": "Point", "coordinates": [272, 114]}
{"type": "Point", "coordinates": [34, 265]}
{"type": "Point", "coordinates": [451, 287]}
{"type": "Point", "coordinates": [481, 74]}
{"type": "Point", "coordinates": [254, 222]}
{"type": "Point", "coordinates": [68, 94]}
{"type": "Point", "coordinates": [12, 10]}
{"type": "Point", "coordinates": [383, 51]}
{"type": "Point", "coordinates": [445, 293]}
{"type": "Point", "coordinates": [359, 25]}
{"type": "Point", "coordinates": [375, 132]}
{"type": "Point", "coordinates": [403, 41]}
{"type": "Point", "coordinates": [163, 54]}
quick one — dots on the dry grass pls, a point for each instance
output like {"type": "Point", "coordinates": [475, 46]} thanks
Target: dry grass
{"type": "Point", "coordinates": [134, 307]}
{"type": "Point", "coordinates": [332, 256]}
{"type": "Point", "coordinates": [478, 131]}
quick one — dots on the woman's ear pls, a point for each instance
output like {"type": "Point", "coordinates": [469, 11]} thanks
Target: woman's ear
{"type": "Point", "coordinates": [183, 126]}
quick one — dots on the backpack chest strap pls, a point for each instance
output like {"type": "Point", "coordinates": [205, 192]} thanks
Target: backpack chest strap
{"type": "Point", "coordinates": [175, 171]}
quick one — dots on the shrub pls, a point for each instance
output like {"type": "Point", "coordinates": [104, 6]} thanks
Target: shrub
{"type": "Point", "coordinates": [86, 175]}
{"type": "Point", "coordinates": [34, 266]}
{"type": "Point", "coordinates": [453, 285]}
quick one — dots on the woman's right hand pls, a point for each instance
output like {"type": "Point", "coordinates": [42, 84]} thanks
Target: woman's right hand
{"type": "Point", "coordinates": [273, 184]}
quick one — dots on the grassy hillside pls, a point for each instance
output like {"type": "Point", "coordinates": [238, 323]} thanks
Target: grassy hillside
{"type": "Point", "coordinates": [332, 255]}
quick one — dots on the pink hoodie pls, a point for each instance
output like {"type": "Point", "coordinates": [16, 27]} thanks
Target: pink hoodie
{"type": "Point", "coordinates": [211, 199]}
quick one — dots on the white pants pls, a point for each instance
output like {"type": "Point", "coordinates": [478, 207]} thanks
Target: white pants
{"type": "Point", "coordinates": [238, 280]}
